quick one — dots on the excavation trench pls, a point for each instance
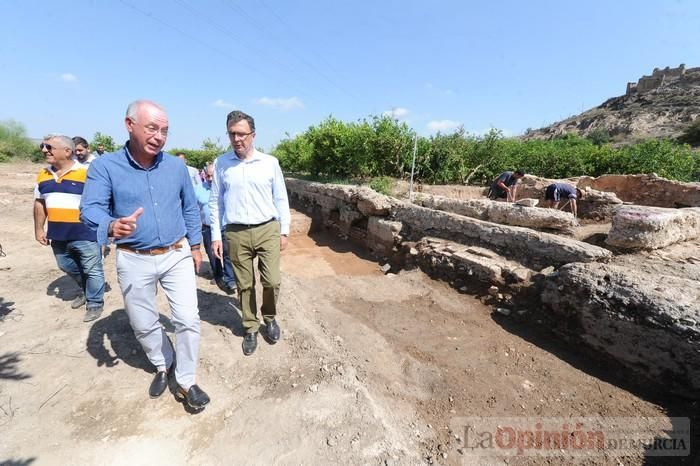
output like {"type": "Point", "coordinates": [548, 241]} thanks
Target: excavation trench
{"type": "Point", "coordinates": [448, 352]}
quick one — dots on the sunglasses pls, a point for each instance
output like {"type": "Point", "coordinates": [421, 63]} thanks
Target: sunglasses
{"type": "Point", "coordinates": [48, 147]}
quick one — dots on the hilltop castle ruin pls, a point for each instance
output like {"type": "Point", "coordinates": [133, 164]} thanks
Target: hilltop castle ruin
{"type": "Point", "coordinates": [660, 78]}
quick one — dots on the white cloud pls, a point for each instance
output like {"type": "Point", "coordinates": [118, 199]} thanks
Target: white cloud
{"type": "Point", "coordinates": [221, 103]}
{"type": "Point", "coordinates": [68, 77]}
{"type": "Point", "coordinates": [396, 112]}
{"type": "Point", "coordinates": [431, 87]}
{"type": "Point", "coordinates": [443, 125]}
{"type": "Point", "coordinates": [282, 104]}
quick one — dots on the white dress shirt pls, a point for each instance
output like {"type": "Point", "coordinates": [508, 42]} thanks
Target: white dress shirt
{"type": "Point", "coordinates": [249, 192]}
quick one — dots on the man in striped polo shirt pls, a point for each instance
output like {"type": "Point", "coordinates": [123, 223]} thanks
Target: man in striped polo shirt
{"type": "Point", "coordinates": [57, 199]}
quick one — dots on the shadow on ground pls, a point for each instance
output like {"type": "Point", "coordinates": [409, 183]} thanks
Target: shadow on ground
{"type": "Point", "coordinates": [220, 309]}
{"type": "Point", "coordinates": [610, 371]}
{"type": "Point", "coordinates": [115, 329]}
{"type": "Point", "coordinates": [9, 367]}
{"type": "Point", "coordinates": [18, 462]}
{"type": "Point", "coordinates": [111, 338]}
{"type": "Point", "coordinates": [6, 307]}
{"type": "Point", "coordinates": [63, 288]}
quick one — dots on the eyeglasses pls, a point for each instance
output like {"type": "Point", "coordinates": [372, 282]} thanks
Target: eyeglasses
{"type": "Point", "coordinates": [235, 135]}
{"type": "Point", "coordinates": [152, 129]}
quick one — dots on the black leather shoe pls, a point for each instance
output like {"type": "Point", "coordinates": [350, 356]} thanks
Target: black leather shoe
{"type": "Point", "coordinates": [159, 384]}
{"type": "Point", "coordinates": [195, 397]}
{"type": "Point", "coordinates": [273, 331]}
{"type": "Point", "coordinates": [250, 343]}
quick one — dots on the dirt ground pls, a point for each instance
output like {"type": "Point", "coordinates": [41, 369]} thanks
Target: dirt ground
{"type": "Point", "coordinates": [371, 368]}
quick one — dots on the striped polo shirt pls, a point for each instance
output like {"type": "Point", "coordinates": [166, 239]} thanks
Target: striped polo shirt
{"type": "Point", "coordinates": [61, 196]}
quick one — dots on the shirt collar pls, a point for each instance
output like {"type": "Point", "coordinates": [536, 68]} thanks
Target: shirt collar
{"type": "Point", "coordinates": [76, 165]}
{"type": "Point", "coordinates": [159, 158]}
{"type": "Point", "coordinates": [255, 156]}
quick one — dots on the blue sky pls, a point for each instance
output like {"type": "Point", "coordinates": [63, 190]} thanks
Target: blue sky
{"type": "Point", "coordinates": [72, 67]}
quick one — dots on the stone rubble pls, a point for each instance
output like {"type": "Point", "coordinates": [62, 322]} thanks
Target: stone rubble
{"type": "Point", "coordinates": [643, 227]}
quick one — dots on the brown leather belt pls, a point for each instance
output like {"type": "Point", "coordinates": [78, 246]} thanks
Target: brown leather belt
{"type": "Point", "coordinates": [154, 251]}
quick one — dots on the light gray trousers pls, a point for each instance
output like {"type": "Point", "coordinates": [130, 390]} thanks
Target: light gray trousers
{"type": "Point", "coordinates": [138, 277]}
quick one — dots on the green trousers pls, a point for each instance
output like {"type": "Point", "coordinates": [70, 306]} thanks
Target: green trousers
{"type": "Point", "coordinates": [245, 244]}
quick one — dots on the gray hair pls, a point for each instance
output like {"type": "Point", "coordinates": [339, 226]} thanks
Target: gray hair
{"type": "Point", "coordinates": [236, 116]}
{"type": "Point", "coordinates": [65, 140]}
{"type": "Point", "coordinates": [134, 107]}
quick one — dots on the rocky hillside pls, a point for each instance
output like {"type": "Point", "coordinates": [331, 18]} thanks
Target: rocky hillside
{"type": "Point", "coordinates": [660, 105]}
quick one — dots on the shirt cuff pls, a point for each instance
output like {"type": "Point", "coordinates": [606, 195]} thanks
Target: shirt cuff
{"type": "Point", "coordinates": [103, 231]}
{"type": "Point", "coordinates": [284, 229]}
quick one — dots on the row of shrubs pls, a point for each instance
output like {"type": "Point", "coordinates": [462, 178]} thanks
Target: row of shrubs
{"type": "Point", "coordinates": [383, 147]}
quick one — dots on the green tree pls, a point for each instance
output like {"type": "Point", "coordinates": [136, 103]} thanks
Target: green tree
{"type": "Point", "coordinates": [103, 139]}
{"type": "Point", "coordinates": [15, 143]}
{"type": "Point", "coordinates": [599, 136]}
{"type": "Point", "coordinates": [691, 134]}
{"type": "Point", "coordinates": [198, 158]}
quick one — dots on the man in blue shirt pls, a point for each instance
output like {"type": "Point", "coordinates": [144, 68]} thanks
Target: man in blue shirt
{"type": "Point", "coordinates": [143, 198]}
{"type": "Point", "coordinates": [248, 187]}
{"type": "Point", "coordinates": [223, 273]}
{"type": "Point", "coordinates": [506, 186]}
{"type": "Point", "coordinates": [556, 191]}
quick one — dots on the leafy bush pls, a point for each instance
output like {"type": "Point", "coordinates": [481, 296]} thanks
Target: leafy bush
{"type": "Point", "coordinates": [599, 136]}
{"type": "Point", "coordinates": [103, 139]}
{"type": "Point", "coordinates": [382, 147]}
{"type": "Point", "coordinates": [382, 184]}
{"type": "Point", "coordinates": [15, 143]}
{"type": "Point", "coordinates": [691, 135]}
{"type": "Point", "coordinates": [198, 158]}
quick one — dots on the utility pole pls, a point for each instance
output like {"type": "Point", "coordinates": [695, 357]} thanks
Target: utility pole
{"type": "Point", "coordinates": [413, 168]}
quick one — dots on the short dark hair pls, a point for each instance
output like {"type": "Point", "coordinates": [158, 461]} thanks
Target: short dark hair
{"type": "Point", "coordinates": [79, 140]}
{"type": "Point", "coordinates": [519, 173]}
{"type": "Point", "coordinates": [178, 154]}
{"type": "Point", "coordinates": [236, 116]}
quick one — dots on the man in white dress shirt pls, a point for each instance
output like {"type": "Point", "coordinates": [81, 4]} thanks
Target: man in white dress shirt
{"type": "Point", "coordinates": [249, 187]}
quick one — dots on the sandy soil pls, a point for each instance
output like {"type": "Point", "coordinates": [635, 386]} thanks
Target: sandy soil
{"type": "Point", "coordinates": [371, 369]}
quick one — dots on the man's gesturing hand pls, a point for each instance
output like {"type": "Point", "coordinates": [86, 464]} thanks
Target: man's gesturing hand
{"type": "Point", "coordinates": [125, 226]}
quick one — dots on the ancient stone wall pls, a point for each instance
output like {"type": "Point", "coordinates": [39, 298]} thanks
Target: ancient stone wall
{"type": "Point", "coordinates": [501, 212]}
{"type": "Point", "coordinates": [651, 190]}
{"type": "Point", "coordinates": [648, 322]}
{"type": "Point", "coordinates": [643, 227]}
{"type": "Point", "coordinates": [658, 78]}
{"type": "Point", "coordinates": [350, 211]}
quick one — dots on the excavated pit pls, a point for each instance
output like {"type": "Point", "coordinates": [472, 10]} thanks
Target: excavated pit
{"type": "Point", "coordinates": [596, 285]}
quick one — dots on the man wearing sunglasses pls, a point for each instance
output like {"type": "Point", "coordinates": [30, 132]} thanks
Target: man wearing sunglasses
{"type": "Point", "coordinates": [143, 198]}
{"type": "Point", "coordinates": [57, 199]}
{"type": "Point", "coordinates": [248, 186]}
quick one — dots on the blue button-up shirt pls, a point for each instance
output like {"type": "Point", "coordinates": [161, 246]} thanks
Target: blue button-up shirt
{"type": "Point", "coordinates": [117, 185]}
{"type": "Point", "coordinates": [203, 192]}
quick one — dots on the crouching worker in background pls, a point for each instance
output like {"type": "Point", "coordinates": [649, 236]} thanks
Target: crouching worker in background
{"type": "Point", "coordinates": [556, 191]}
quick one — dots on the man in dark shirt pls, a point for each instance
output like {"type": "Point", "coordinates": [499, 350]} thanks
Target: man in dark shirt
{"type": "Point", "coordinates": [143, 198]}
{"type": "Point", "coordinates": [556, 191]}
{"type": "Point", "coordinates": [506, 185]}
